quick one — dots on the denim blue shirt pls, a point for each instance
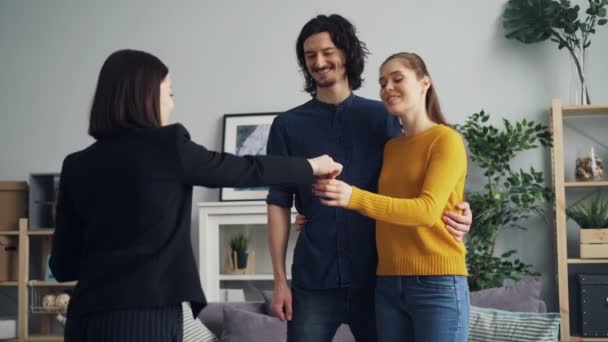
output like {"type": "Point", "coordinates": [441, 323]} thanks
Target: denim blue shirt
{"type": "Point", "coordinates": [337, 246]}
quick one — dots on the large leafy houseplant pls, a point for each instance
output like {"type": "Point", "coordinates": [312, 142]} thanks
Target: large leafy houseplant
{"type": "Point", "coordinates": [532, 21]}
{"type": "Point", "coordinates": [507, 197]}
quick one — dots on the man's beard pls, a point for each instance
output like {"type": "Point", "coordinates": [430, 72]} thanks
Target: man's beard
{"type": "Point", "coordinates": [326, 83]}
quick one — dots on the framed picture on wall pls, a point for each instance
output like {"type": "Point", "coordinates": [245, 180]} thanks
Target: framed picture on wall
{"type": "Point", "coordinates": [246, 134]}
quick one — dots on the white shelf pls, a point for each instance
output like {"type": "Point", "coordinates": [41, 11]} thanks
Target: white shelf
{"type": "Point", "coordinates": [215, 220]}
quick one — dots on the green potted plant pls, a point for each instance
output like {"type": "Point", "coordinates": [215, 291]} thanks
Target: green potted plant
{"type": "Point", "coordinates": [238, 247]}
{"type": "Point", "coordinates": [592, 217]}
{"type": "Point", "coordinates": [506, 198]}
{"type": "Point", "coordinates": [532, 21]}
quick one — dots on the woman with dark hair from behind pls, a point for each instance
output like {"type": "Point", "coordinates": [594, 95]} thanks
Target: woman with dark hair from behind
{"type": "Point", "coordinates": [123, 215]}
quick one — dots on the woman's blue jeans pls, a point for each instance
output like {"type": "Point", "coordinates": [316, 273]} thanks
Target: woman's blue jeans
{"type": "Point", "coordinates": [422, 308]}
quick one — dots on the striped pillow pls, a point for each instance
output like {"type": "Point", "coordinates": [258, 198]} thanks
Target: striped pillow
{"type": "Point", "coordinates": [194, 329]}
{"type": "Point", "coordinates": [498, 326]}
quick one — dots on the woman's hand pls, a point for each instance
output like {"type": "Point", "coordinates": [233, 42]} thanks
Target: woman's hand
{"type": "Point", "coordinates": [333, 192]}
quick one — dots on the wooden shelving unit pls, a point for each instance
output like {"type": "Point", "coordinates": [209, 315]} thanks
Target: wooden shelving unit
{"type": "Point", "coordinates": [36, 232]}
{"type": "Point", "coordinates": [25, 286]}
{"type": "Point", "coordinates": [558, 113]}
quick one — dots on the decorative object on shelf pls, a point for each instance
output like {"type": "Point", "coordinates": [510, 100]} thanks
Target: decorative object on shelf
{"type": "Point", "coordinates": [532, 21]}
{"type": "Point", "coordinates": [589, 167]}
{"type": "Point", "coordinates": [52, 303]}
{"type": "Point", "coordinates": [48, 301]}
{"type": "Point", "coordinates": [229, 263]}
{"type": "Point", "coordinates": [62, 300]}
{"type": "Point", "coordinates": [246, 134]}
{"type": "Point", "coordinates": [506, 198]}
{"type": "Point", "coordinates": [238, 251]}
{"type": "Point", "coordinates": [592, 217]}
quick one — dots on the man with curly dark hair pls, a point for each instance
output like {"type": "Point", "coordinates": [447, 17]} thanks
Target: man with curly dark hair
{"type": "Point", "coordinates": [334, 265]}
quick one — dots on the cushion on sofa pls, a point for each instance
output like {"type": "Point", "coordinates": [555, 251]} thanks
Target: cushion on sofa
{"type": "Point", "coordinates": [212, 315]}
{"type": "Point", "coordinates": [194, 329]}
{"type": "Point", "coordinates": [499, 325]}
{"type": "Point", "coordinates": [267, 295]}
{"type": "Point", "coordinates": [520, 297]}
{"type": "Point", "coordinates": [246, 326]}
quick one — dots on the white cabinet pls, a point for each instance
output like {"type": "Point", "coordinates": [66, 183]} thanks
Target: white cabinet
{"type": "Point", "coordinates": [218, 221]}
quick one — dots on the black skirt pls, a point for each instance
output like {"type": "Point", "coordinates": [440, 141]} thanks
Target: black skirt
{"type": "Point", "coordinates": [127, 325]}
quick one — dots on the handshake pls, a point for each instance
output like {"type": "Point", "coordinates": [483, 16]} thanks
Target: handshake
{"type": "Point", "coordinates": [325, 166]}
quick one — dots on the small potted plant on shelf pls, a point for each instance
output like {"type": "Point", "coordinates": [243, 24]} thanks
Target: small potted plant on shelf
{"type": "Point", "coordinates": [592, 217]}
{"type": "Point", "coordinates": [238, 247]}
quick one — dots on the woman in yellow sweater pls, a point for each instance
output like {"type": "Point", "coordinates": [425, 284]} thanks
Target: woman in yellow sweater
{"type": "Point", "coordinates": [421, 290]}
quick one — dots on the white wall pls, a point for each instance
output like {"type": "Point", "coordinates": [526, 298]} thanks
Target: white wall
{"type": "Point", "coordinates": [239, 56]}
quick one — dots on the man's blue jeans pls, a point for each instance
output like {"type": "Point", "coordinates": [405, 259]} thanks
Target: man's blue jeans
{"type": "Point", "coordinates": [317, 314]}
{"type": "Point", "coordinates": [422, 308]}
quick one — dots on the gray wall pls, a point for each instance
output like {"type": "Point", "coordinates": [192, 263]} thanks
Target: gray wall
{"type": "Point", "coordinates": [238, 56]}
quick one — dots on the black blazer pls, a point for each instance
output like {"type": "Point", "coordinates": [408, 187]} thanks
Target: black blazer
{"type": "Point", "coordinates": [123, 216]}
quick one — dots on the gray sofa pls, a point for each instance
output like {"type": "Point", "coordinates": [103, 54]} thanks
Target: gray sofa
{"type": "Point", "coordinates": [251, 322]}
{"type": "Point", "coordinates": [233, 321]}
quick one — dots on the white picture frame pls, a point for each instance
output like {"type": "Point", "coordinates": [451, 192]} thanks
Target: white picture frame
{"type": "Point", "coordinates": [246, 134]}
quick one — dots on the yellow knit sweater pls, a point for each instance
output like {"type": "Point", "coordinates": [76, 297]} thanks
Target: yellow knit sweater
{"type": "Point", "coordinates": [422, 177]}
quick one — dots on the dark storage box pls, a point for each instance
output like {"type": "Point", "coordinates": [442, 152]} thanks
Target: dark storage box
{"type": "Point", "coordinates": [594, 304]}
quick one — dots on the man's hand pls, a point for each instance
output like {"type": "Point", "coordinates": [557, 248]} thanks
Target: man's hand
{"type": "Point", "coordinates": [300, 222]}
{"type": "Point", "coordinates": [281, 301]}
{"type": "Point", "coordinates": [459, 225]}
